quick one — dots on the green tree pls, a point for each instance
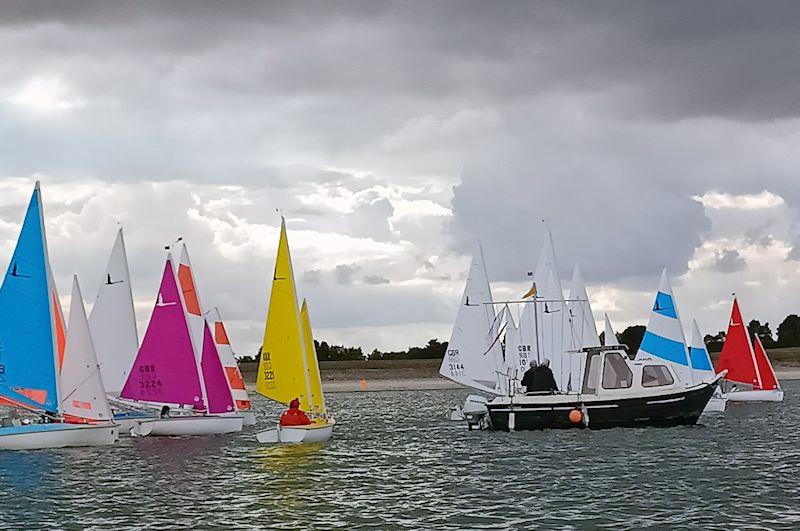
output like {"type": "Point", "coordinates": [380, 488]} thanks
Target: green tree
{"type": "Point", "coordinates": [632, 337]}
{"type": "Point", "coordinates": [789, 332]}
{"type": "Point", "coordinates": [714, 343]}
{"type": "Point", "coordinates": [763, 331]}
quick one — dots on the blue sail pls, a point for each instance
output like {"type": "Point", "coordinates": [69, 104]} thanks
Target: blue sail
{"type": "Point", "coordinates": [27, 348]}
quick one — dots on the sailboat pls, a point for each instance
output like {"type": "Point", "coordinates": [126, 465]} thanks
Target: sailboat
{"type": "Point", "coordinates": [747, 364]}
{"type": "Point", "coordinates": [116, 340]}
{"type": "Point", "coordinates": [198, 321]}
{"type": "Point", "coordinates": [609, 335]}
{"type": "Point", "coordinates": [288, 367]}
{"type": "Point", "coordinates": [167, 374]}
{"type": "Point", "coordinates": [235, 381]}
{"type": "Point", "coordinates": [474, 356]}
{"type": "Point", "coordinates": [581, 330]}
{"type": "Point", "coordinates": [701, 365]}
{"type": "Point", "coordinates": [72, 404]}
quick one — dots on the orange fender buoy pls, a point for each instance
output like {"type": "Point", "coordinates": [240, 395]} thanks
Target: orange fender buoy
{"type": "Point", "coordinates": [575, 416]}
{"type": "Point", "coordinates": [362, 385]}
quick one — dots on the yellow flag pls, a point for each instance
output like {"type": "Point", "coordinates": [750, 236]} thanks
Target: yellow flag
{"type": "Point", "coordinates": [282, 373]}
{"type": "Point", "coordinates": [315, 381]}
{"type": "Point", "coordinates": [531, 292]}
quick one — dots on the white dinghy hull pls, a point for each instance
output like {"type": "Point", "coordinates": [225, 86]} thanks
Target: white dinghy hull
{"type": "Point", "coordinates": [57, 435]}
{"type": "Point", "coordinates": [313, 433]}
{"type": "Point", "coordinates": [188, 426]}
{"type": "Point", "coordinates": [248, 418]}
{"type": "Point", "coordinates": [761, 395]}
{"type": "Point", "coordinates": [716, 404]}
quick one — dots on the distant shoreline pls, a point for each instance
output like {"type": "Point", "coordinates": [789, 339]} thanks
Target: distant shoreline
{"type": "Point", "coordinates": [412, 375]}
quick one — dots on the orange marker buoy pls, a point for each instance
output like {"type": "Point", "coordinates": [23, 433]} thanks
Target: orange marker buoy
{"type": "Point", "coordinates": [362, 385]}
{"type": "Point", "coordinates": [575, 416]}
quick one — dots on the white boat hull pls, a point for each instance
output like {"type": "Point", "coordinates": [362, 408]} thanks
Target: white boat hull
{"type": "Point", "coordinates": [57, 435]}
{"type": "Point", "coordinates": [188, 426]}
{"type": "Point", "coordinates": [248, 417]}
{"type": "Point", "coordinates": [313, 433]}
{"type": "Point", "coordinates": [716, 404]}
{"type": "Point", "coordinates": [775, 395]}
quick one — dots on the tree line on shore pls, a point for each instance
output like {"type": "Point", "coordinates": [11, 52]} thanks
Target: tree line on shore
{"type": "Point", "coordinates": [786, 335]}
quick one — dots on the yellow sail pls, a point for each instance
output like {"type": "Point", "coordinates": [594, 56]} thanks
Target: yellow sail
{"type": "Point", "coordinates": [282, 374]}
{"type": "Point", "coordinates": [317, 398]}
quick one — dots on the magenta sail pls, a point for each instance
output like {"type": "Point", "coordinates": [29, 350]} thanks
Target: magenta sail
{"type": "Point", "coordinates": [165, 369]}
{"type": "Point", "coordinates": [218, 393]}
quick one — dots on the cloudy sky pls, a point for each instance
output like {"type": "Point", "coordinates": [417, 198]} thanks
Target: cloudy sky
{"type": "Point", "coordinates": [392, 136]}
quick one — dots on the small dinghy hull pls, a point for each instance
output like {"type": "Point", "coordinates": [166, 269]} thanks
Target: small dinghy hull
{"type": "Point", "coordinates": [313, 433]}
{"type": "Point", "coordinates": [127, 421]}
{"type": "Point", "coordinates": [188, 426]}
{"type": "Point", "coordinates": [760, 395]}
{"type": "Point", "coordinates": [57, 435]}
{"type": "Point", "coordinates": [716, 404]}
{"type": "Point", "coordinates": [248, 417]}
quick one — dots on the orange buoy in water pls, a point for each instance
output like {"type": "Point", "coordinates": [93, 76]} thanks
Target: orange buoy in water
{"type": "Point", "coordinates": [575, 416]}
{"type": "Point", "coordinates": [362, 385]}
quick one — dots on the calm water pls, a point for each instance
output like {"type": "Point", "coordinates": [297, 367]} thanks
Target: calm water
{"type": "Point", "coordinates": [396, 463]}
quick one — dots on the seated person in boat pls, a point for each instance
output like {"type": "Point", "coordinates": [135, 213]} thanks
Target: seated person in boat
{"type": "Point", "coordinates": [527, 378]}
{"type": "Point", "coordinates": [543, 379]}
{"type": "Point", "coordinates": [164, 412]}
{"type": "Point", "coordinates": [294, 416]}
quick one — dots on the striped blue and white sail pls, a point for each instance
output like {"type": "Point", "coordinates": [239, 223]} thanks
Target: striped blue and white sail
{"type": "Point", "coordinates": [28, 350]}
{"type": "Point", "coordinates": [698, 354]}
{"type": "Point", "coordinates": [664, 335]}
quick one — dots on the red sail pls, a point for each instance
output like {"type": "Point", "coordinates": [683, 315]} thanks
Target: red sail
{"type": "Point", "coordinates": [737, 352]}
{"type": "Point", "coordinates": [768, 379]}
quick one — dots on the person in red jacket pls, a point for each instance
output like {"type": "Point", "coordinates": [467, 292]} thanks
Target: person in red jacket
{"type": "Point", "coordinates": [294, 416]}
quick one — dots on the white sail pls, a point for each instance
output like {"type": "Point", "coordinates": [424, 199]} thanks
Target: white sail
{"type": "Point", "coordinates": [83, 395]}
{"type": "Point", "coordinates": [581, 331]}
{"type": "Point", "coordinates": [664, 335]}
{"type": "Point", "coordinates": [609, 334]}
{"type": "Point", "coordinates": [113, 321]}
{"type": "Point", "coordinates": [517, 357]}
{"type": "Point", "coordinates": [553, 316]}
{"type": "Point", "coordinates": [474, 355]}
{"type": "Point", "coordinates": [698, 354]}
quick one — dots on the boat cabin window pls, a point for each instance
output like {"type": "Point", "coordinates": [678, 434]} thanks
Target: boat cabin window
{"type": "Point", "coordinates": [656, 375]}
{"type": "Point", "coordinates": [616, 374]}
{"type": "Point", "coordinates": [592, 376]}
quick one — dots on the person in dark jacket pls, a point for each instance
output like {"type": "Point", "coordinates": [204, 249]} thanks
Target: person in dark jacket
{"type": "Point", "coordinates": [543, 379]}
{"type": "Point", "coordinates": [527, 378]}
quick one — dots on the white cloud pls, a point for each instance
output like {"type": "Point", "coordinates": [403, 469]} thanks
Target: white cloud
{"type": "Point", "coordinates": [44, 93]}
{"type": "Point", "coordinates": [720, 200]}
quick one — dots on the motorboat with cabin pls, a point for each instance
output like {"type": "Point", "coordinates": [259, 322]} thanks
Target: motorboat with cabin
{"type": "Point", "coordinates": [616, 392]}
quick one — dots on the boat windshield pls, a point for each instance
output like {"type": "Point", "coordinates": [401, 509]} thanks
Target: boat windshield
{"type": "Point", "coordinates": [592, 373]}
{"type": "Point", "coordinates": [616, 374]}
{"type": "Point", "coordinates": [656, 376]}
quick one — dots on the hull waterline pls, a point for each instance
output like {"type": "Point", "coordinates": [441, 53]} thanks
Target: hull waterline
{"type": "Point", "coordinates": [58, 435]}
